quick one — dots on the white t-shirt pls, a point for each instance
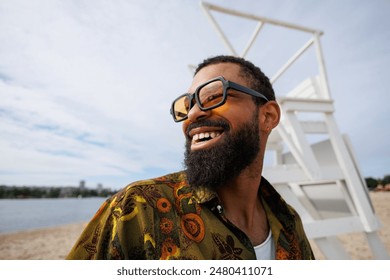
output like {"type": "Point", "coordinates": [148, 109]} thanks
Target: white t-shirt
{"type": "Point", "coordinates": [266, 250]}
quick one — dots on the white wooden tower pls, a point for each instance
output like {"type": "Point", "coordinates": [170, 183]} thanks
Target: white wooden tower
{"type": "Point", "coordinates": [321, 180]}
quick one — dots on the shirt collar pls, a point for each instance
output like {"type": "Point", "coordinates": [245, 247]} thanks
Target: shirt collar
{"type": "Point", "coordinates": [203, 194]}
{"type": "Point", "coordinates": [275, 206]}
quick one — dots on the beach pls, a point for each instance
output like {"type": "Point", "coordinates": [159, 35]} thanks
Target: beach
{"type": "Point", "coordinates": [55, 243]}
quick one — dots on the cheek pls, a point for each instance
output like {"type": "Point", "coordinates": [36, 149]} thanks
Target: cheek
{"type": "Point", "coordinates": [234, 114]}
{"type": "Point", "coordinates": [224, 109]}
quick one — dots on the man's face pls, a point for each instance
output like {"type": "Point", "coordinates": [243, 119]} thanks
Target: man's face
{"type": "Point", "coordinates": [221, 142]}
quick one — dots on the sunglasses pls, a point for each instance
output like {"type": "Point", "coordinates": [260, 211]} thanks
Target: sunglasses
{"type": "Point", "coordinates": [207, 96]}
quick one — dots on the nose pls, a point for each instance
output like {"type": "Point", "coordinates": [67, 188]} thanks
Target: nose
{"type": "Point", "coordinates": [196, 114]}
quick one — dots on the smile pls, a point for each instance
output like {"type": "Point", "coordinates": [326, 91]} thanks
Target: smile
{"type": "Point", "coordinates": [204, 136]}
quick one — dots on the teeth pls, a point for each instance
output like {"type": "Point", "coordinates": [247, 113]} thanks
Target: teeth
{"type": "Point", "coordinates": [202, 135]}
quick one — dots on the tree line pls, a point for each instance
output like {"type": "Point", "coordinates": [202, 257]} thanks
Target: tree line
{"type": "Point", "coordinates": [61, 192]}
{"type": "Point", "coordinates": [373, 183]}
{"type": "Point", "coordinates": [51, 192]}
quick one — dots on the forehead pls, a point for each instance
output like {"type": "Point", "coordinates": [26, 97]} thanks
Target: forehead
{"type": "Point", "coordinates": [230, 71]}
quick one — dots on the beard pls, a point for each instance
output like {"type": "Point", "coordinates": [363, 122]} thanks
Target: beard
{"type": "Point", "coordinates": [215, 166]}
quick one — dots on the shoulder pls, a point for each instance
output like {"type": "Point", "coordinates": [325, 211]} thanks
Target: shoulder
{"type": "Point", "coordinates": [151, 190]}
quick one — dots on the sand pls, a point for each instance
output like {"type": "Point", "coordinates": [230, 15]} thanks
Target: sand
{"type": "Point", "coordinates": [41, 244]}
{"type": "Point", "coordinates": [55, 243]}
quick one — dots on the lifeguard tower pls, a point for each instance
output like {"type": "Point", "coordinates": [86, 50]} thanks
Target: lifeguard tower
{"type": "Point", "coordinates": [321, 180]}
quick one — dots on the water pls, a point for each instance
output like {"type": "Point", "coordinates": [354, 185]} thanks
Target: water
{"type": "Point", "coordinates": [25, 214]}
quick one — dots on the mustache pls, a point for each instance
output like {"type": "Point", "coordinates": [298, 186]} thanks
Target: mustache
{"type": "Point", "coordinates": [203, 123]}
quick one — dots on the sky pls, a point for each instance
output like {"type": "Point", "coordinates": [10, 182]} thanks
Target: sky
{"type": "Point", "coordinates": [86, 86]}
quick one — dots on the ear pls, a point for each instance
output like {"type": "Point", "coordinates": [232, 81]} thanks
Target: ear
{"type": "Point", "coordinates": [269, 116]}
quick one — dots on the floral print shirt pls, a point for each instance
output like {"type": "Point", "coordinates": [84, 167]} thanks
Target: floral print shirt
{"type": "Point", "coordinates": [164, 218]}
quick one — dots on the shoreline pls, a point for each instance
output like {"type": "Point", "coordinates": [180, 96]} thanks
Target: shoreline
{"type": "Point", "coordinates": [54, 243]}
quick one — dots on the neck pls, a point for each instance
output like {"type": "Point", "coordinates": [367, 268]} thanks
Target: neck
{"type": "Point", "coordinates": [242, 205]}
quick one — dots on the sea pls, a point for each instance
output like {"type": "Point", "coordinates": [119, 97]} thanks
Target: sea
{"type": "Point", "coordinates": [26, 214]}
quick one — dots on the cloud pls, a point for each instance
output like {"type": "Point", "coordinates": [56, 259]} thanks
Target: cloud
{"type": "Point", "coordinates": [76, 94]}
{"type": "Point", "coordinates": [86, 86]}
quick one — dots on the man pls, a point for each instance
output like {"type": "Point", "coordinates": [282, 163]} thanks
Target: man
{"type": "Point", "coordinates": [220, 207]}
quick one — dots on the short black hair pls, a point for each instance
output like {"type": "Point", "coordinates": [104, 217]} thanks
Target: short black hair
{"type": "Point", "coordinates": [257, 79]}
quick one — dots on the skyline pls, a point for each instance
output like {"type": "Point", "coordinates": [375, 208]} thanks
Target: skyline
{"type": "Point", "coordinates": [86, 86]}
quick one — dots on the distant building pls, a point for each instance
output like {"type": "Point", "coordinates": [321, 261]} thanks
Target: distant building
{"type": "Point", "coordinates": [67, 191]}
{"type": "Point", "coordinates": [82, 185]}
{"type": "Point", "coordinates": [99, 188]}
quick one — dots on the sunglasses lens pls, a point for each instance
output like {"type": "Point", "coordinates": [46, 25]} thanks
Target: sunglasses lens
{"type": "Point", "coordinates": [211, 95]}
{"type": "Point", "coordinates": [181, 108]}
